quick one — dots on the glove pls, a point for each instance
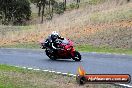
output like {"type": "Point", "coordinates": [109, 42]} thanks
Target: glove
{"type": "Point", "coordinates": [42, 47]}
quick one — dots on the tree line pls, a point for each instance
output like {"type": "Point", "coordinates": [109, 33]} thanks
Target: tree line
{"type": "Point", "coordinates": [17, 12]}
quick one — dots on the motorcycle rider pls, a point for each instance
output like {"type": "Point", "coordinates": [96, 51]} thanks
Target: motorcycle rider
{"type": "Point", "coordinates": [51, 41]}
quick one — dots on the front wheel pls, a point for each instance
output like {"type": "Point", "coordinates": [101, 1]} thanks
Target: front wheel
{"type": "Point", "coordinates": [77, 56]}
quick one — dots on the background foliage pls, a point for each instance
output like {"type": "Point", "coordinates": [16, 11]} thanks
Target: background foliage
{"type": "Point", "coordinates": [14, 11]}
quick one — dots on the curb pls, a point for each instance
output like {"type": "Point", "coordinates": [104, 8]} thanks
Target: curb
{"type": "Point", "coordinates": [50, 71]}
{"type": "Point", "coordinates": [124, 85]}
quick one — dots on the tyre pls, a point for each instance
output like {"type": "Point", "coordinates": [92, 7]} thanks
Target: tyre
{"type": "Point", "coordinates": [77, 56]}
{"type": "Point", "coordinates": [50, 55]}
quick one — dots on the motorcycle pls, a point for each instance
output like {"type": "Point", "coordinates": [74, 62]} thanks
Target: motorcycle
{"type": "Point", "coordinates": [66, 51]}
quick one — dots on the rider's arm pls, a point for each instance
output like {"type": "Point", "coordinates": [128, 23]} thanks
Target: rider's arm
{"type": "Point", "coordinates": [46, 42]}
{"type": "Point", "coordinates": [59, 37]}
{"type": "Point", "coordinates": [52, 45]}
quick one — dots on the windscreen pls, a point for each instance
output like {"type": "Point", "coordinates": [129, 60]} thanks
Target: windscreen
{"type": "Point", "coordinates": [65, 41]}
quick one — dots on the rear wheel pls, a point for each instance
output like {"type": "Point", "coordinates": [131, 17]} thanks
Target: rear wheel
{"type": "Point", "coordinates": [77, 56]}
{"type": "Point", "coordinates": [50, 55]}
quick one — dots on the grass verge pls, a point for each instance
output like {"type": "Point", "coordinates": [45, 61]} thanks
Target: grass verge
{"type": "Point", "coordinates": [23, 45]}
{"type": "Point", "coordinates": [83, 48]}
{"type": "Point", "coordinates": [13, 77]}
{"type": "Point", "coordinates": [90, 48]}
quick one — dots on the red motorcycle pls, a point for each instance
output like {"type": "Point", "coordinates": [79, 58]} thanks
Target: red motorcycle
{"type": "Point", "coordinates": [67, 50]}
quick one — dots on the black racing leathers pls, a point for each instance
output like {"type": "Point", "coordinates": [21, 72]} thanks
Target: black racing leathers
{"type": "Point", "coordinates": [52, 44]}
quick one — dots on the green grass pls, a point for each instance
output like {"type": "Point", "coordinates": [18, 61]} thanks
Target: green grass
{"type": "Point", "coordinates": [83, 48]}
{"type": "Point", "coordinates": [13, 77]}
{"type": "Point", "coordinates": [10, 68]}
{"type": "Point", "coordinates": [83, 3]}
{"type": "Point", "coordinates": [90, 48]}
{"type": "Point", "coordinates": [95, 2]}
{"type": "Point", "coordinates": [24, 45]}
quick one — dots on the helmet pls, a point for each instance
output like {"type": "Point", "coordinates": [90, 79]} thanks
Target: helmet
{"type": "Point", "coordinates": [54, 35]}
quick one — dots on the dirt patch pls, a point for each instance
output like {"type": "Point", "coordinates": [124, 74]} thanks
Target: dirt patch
{"type": "Point", "coordinates": [78, 26]}
{"type": "Point", "coordinates": [90, 34]}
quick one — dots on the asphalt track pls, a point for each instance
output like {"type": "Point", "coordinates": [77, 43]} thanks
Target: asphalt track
{"type": "Point", "coordinates": [93, 63]}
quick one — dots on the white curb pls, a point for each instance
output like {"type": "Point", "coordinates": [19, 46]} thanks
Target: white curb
{"type": "Point", "coordinates": [65, 74]}
{"type": "Point", "coordinates": [45, 70]}
{"type": "Point", "coordinates": [58, 72]}
{"type": "Point", "coordinates": [29, 68]}
{"type": "Point", "coordinates": [36, 69]}
{"type": "Point", "coordinates": [125, 85]}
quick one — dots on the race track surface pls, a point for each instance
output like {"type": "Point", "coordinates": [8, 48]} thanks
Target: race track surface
{"type": "Point", "coordinates": [91, 62]}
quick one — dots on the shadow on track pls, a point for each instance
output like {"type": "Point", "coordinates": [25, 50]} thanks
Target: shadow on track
{"type": "Point", "coordinates": [64, 60]}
